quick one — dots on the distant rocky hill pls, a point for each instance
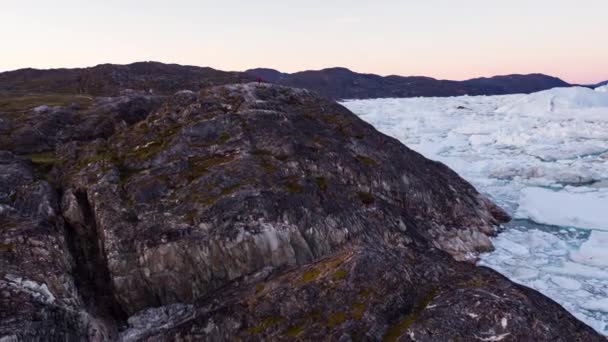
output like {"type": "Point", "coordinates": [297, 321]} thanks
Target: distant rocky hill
{"type": "Point", "coordinates": [335, 83]}
{"type": "Point", "coordinates": [111, 79]}
{"type": "Point", "coordinates": [244, 212]}
{"type": "Point", "coordinates": [601, 84]}
{"type": "Point", "coordinates": [341, 83]}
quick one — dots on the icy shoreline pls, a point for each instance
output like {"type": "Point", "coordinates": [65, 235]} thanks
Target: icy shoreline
{"type": "Point", "coordinates": [544, 158]}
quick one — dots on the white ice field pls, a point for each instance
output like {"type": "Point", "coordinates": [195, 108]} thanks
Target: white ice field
{"type": "Point", "coordinates": [544, 158]}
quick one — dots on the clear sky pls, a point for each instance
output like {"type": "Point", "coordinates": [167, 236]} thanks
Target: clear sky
{"type": "Point", "coordinates": [448, 39]}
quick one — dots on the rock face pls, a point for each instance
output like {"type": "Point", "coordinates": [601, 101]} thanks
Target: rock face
{"type": "Point", "coordinates": [256, 212]}
{"type": "Point", "coordinates": [39, 298]}
{"type": "Point", "coordinates": [373, 295]}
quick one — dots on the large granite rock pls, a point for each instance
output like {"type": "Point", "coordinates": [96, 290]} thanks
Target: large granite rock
{"type": "Point", "coordinates": [220, 185]}
{"type": "Point", "coordinates": [259, 212]}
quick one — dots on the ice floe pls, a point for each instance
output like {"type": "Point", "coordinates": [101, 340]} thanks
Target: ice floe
{"type": "Point", "coordinates": [572, 207]}
{"type": "Point", "coordinates": [544, 158]}
{"type": "Point", "coordinates": [557, 100]}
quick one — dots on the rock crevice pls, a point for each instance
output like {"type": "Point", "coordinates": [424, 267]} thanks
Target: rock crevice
{"type": "Point", "coordinates": [90, 272]}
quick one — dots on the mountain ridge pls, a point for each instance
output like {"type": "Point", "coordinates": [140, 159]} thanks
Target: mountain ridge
{"type": "Point", "coordinates": [111, 79]}
{"type": "Point", "coordinates": [335, 82]}
{"type": "Point", "coordinates": [601, 84]}
{"type": "Point", "coordinates": [342, 83]}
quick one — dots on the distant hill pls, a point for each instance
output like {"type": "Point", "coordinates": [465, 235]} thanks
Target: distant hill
{"type": "Point", "coordinates": [335, 83]}
{"type": "Point", "coordinates": [110, 79]}
{"type": "Point", "coordinates": [342, 83]}
{"type": "Point", "coordinates": [601, 84]}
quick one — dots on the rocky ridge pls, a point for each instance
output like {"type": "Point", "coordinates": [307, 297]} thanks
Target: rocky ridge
{"type": "Point", "coordinates": [342, 83]}
{"type": "Point", "coordinates": [336, 83]}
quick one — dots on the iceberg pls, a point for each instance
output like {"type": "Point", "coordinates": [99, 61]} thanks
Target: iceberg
{"type": "Point", "coordinates": [541, 156]}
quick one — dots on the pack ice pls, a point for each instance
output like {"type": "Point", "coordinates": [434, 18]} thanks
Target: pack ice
{"type": "Point", "coordinates": [541, 156]}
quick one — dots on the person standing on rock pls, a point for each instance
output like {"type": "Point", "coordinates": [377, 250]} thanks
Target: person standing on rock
{"type": "Point", "coordinates": [259, 80]}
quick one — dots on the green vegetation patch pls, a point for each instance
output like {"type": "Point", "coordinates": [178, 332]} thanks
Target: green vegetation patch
{"type": "Point", "coordinates": [265, 159]}
{"type": "Point", "coordinates": [6, 225]}
{"type": "Point", "coordinates": [366, 197]}
{"type": "Point", "coordinates": [42, 158]}
{"type": "Point", "coordinates": [294, 330]}
{"type": "Point", "coordinates": [149, 150]}
{"type": "Point", "coordinates": [336, 318]}
{"type": "Point", "coordinates": [43, 163]}
{"type": "Point", "coordinates": [321, 183]}
{"type": "Point", "coordinates": [357, 311]}
{"type": "Point", "coordinates": [200, 165]}
{"type": "Point", "coordinates": [475, 282]}
{"type": "Point", "coordinates": [311, 275]}
{"type": "Point", "coordinates": [157, 144]}
{"type": "Point", "coordinates": [17, 104]}
{"type": "Point", "coordinates": [101, 155]}
{"type": "Point", "coordinates": [281, 157]}
{"type": "Point", "coordinates": [209, 200]}
{"type": "Point", "coordinates": [260, 152]}
{"type": "Point", "coordinates": [225, 136]}
{"type": "Point", "coordinates": [365, 160]}
{"type": "Point", "coordinates": [292, 185]}
{"type": "Point", "coordinates": [359, 136]}
{"type": "Point", "coordinates": [264, 324]}
{"type": "Point", "coordinates": [5, 247]}
{"type": "Point", "coordinates": [267, 165]}
{"type": "Point", "coordinates": [340, 274]}
{"type": "Point", "coordinates": [365, 292]}
{"type": "Point", "coordinates": [394, 332]}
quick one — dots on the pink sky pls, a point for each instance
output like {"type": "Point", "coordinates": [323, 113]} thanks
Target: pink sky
{"type": "Point", "coordinates": [438, 38]}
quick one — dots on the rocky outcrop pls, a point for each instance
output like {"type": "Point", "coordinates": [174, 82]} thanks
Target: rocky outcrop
{"type": "Point", "coordinates": [259, 176]}
{"type": "Point", "coordinates": [265, 213]}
